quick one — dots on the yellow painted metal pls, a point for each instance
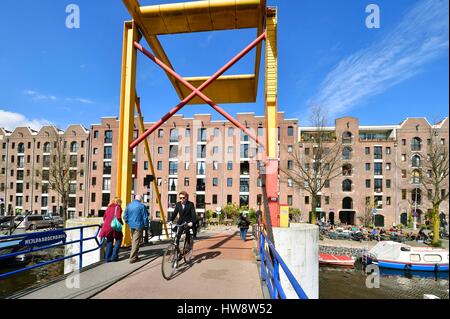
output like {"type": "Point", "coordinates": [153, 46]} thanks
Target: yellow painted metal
{"type": "Point", "coordinates": [197, 16]}
{"type": "Point", "coordinates": [128, 100]}
{"type": "Point", "coordinates": [226, 89]}
{"type": "Point", "coordinates": [150, 162]}
{"type": "Point", "coordinates": [284, 216]}
{"type": "Point", "coordinates": [271, 84]}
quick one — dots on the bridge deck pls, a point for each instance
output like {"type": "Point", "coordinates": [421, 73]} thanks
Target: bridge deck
{"type": "Point", "coordinates": [224, 267]}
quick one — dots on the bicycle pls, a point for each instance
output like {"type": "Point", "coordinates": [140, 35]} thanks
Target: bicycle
{"type": "Point", "coordinates": [173, 255]}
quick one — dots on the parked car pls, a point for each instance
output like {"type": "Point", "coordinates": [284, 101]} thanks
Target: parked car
{"type": "Point", "coordinates": [33, 222]}
{"type": "Point", "coordinates": [55, 220]}
{"type": "Point", "coordinates": [5, 222]}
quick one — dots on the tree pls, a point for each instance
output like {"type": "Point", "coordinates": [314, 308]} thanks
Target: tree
{"type": "Point", "coordinates": [296, 214]}
{"type": "Point", "coordinates": [312, 171]}
{"type": "Point", "coordinates": [434, 176]}
{"type": "Point", "coordinates": [60, 174]}
{"type": "Point", "coordinates": [366, 218]}
{"type": "Point", "coordinates": [230, 211]}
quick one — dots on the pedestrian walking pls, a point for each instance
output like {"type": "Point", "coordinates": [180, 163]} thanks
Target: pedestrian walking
{"type": "Point", "coordinates": [136, 216]}
{"type": "Point", "coordinates": [114, 211]}
{"type": "Point", "coordinates": [243, 224]}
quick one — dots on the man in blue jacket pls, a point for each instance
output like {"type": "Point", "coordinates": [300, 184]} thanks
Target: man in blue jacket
{"type": "Point", "coordinates": [136, 216]}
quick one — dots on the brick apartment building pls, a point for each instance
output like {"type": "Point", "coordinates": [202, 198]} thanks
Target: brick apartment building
{"type": "Point", "coordinates": [217, 164]}
{"type": "Point", "coordinates": [379, 165]}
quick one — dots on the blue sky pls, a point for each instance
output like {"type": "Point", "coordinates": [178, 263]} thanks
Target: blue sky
{"type": "Point", "coordinates": [327, 56]}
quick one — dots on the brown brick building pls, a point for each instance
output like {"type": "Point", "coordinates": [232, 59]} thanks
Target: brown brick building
{"type": "Point", "coordinates": [217, 164]}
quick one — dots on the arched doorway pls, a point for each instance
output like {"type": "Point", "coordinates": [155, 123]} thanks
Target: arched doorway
{"type": "Point", "coordinates": [331, 218]}
{"type": "Point", "coordinates": [379, 220]}
{"type": "Point", "coordinates": [347, 203]}
{"type": "Point", "coordinates": [347, 217]}
{"type": "Point", "coordinates": [404, 219]}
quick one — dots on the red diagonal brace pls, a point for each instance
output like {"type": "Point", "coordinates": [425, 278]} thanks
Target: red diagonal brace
{"type": "Point", "coordinates": [197, 91]}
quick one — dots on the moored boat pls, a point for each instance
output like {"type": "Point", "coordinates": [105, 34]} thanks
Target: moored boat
{"type": "Point", "coordinates": [393, 255]}
{"type": "Point", "coordinates": [336, 260]}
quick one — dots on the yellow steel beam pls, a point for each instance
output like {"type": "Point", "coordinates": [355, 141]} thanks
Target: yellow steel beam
{"type": "Point", "coordinates": [128, 100]}
{"type": "Point", "coordinates": [150, 163]}
{"type": "Point", "coordinates": [271, 83]}
{"type": "Point", "coordinates": [198, 16]}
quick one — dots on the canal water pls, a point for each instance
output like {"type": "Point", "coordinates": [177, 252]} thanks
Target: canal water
{"type": "Point", "coordinates": [339, 283]}
{"type": "Point", "coordinates": [34, 277]}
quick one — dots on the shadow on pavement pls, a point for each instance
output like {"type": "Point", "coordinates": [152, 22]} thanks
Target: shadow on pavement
{"type": "Point", "coordinates": [222, 242]}
{"type": "Point", "coordinates": [195, 260]}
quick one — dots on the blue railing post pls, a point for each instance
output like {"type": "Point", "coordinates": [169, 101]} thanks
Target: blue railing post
{"type": "Point", "coordinates": [276, 277]}
{"type": "Point", "coordinates": [81, 249]}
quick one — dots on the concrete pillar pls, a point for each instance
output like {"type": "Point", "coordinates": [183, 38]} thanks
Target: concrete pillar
{"type": "Point", "coordinates": [72, 264]}
{"type": "Point", "coordinates": [298, 246]}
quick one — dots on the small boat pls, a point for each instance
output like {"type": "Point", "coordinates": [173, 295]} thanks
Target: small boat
{"type": "Point", "coordinates": [336, 260]}
{"type": "Point", "coordinates": [393, 255]}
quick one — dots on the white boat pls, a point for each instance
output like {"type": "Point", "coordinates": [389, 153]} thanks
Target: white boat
{"type": "Point", "coordinates": [393, 255]}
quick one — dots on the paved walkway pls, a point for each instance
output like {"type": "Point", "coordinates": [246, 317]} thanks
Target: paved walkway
{"type": "Point", "coordinates": [223, 267]}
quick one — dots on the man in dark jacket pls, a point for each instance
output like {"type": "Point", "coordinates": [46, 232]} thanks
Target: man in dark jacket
{"type": "Point", "coordinates": [186, 211]}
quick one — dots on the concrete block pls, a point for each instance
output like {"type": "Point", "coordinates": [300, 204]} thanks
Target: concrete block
{"type": "Point", "coordinates": [72, 264]}
{"type": "Point", "coordinates": [298, 246]}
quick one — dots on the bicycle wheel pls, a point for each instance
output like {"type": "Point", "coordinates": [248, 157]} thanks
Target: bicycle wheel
{"type": "Point", "coordinates": [169, 262]}
{"type": "Point", "coordinates": [188, 249]}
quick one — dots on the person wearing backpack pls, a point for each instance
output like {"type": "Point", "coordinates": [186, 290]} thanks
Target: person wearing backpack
{"type": "Point", "coordinates": [243, 224]}
{"type": "Point", "coordinates": [112, 229]}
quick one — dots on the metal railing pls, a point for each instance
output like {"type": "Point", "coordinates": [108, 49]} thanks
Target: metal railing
{"type": "Point", "coordinates": [270, 269]}
{"type": "Point", "coordinates": [27, 240]}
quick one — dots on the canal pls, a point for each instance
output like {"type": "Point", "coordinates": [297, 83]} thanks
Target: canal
{"type": "Point", "coordinates": [335, 283]}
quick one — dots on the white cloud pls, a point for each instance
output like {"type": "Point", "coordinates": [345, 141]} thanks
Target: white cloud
{"type": "Point", "coordinates": [11, 120]}
{"type": "Point", "coordinates": [420, 37]}
{"type": "Point", "coordinates": [36, 96]}
{"type": "Point", "coordinates": [84, 101]}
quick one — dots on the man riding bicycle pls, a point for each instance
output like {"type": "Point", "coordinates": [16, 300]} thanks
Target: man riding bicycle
{"type": "Point", "coordinates": [186, 211]}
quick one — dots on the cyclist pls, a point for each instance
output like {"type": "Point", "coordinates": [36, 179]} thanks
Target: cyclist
{"type": "Point", "coordinates": [186, 211]}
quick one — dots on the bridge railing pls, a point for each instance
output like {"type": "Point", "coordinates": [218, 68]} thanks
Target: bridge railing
{"type": "Point", "coordinates": [270, 268]}
{"type": "Point", "coordinates": [38, 241]}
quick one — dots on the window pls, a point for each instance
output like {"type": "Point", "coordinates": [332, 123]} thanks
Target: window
{"type": "Point", "coordinates": [160, 133]}
{"type": "Point", "coordinates": [347, 185]}
{"type": "Point", "coordinates": [327, 200]}
{"type": "Point", "coordinates": [108, 152]}
{"type": "Point", "coordinates": [107, 168]}
{"type": "Point", "coordinates": [215, 165]}
{"type": "Point", "coordinates": [173, 183]}
{"type": "Point", "coordinates": [173, 168]}
{"type": "Point", "coordinates": [289, 200]}
{"type": "Point", "coordinates": [108, 137]}
{"type": "Point", "coordinates": [378, 168]}
{"type": "Point", "coordinates": [367, 166]}
{"type": "Point", "coordinates": [347, 137]}
{"type": "Point", "coordinates": [378, 185]}
{"type": "Point", "coordinates": [230, 166]}
{"type": "Point", "coordinates": [388, 166]}
{"type": "Point", "coordinates": [290, 165]}
{"type": "Point", "coordinates": [229, 199]}
{"type": "Point", "coordinates": [378, 152]}
{"type": "Point", "coordinates": [159, 181]}
{"type": "Point", "coordinates": [403, 173]}
{"type": "Point", "coordinates": [159, 166]}
{"type": "Point", "coordinates": [229, 182]}
{"type": "Point", "coordinates": [215, 150]}
{"type": "Point", "coordinates": [367, 151]}
{"type": "Point", "coordinates": [290, 183]}
{"type": "Point", "coordinates": [403, 194]}
{"type": "Point", "coordinates": [326, 184]}
{"type": "Point", "coordinates": [73, 147]}
{"type": "Point", "coordinates": [160, 150]}
{"type": "Point", "coordinates": [187, 164]}
{"type": "Point", "coordinates": [201, 151]}
{"type": "Point", "coordinates": [289, 149]}
{"type": "Point", "coordinates": [186, 181]}
{"type": "Point", "coordinates": [416, 177]}
{"type": "Point", "coordinates": [201, 185]}
{"type": "Point", "coordinates": [416, 161]}
{"type": "Point", "coordinates": [230, 149]}
{"type": "Point", "coordinates": [244, 150]}
{"type": "Point", "coordinates": [368, 183]}
{"type": "Point", "coordinates": [403, 142]}
{"type": "Point", "coordinates": [174, 135]}
{"type": "Point", "coordinates": [388, 151]}
{"type": "Point", "coordinates": [416, 144]}
{"type": "Point", "coordinates": [94, 166]}
{"type": "Point", "coordinates": [306, 200]}
{"type": "Point", "coordinates": [260, 131]}
{"type": "Point", "coordinates": [201, 136]}
{"type": "Point", "coordinates": [442, 141]}
{"type": "Point", "coordinates": [388, 183]}
{"type": "Point", "coordinates": [187, 132]}
{"type": "Point", "coordinates": [230, 131]}
{"type": "Point", "coordinates": [347, 153]}
{"type": "Point", "coordinates": [95, 151]}
{"type": "Point", "coordinates": [95, 134]}
{"type": "Point", "coordinates": [388, 201]}
{"type": "Point", "coordinates": [94, 181]}
{"type": "Point", "coordinates": [244, 137]}
{"type": "Point", "coordinates": [347, 170]}
{"type": "Point", "coordinates": [214, 199]}
{"type": "Point", "coordinates": [105, 199]}
{"type": "Point", "coordinates": [146, 165]}
{"type": "Point", "coordinates": [215, 182]}
{"type": "Point", "coordinates": [106, 184]}
{"type": "Point", "coordinates": [173, 151]}
{"type": "Point", "coordinates": [47, 147]}
{"type": "Point", "coordinates": [216, 132]}
{"type": "Point", "coordinates": [201, 168]}
{"type": "Point", "coordinates": [290, 131]}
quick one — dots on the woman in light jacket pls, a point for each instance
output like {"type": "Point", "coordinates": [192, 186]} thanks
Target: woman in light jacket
{"type": "Point", "coordinates": [110, 234]}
